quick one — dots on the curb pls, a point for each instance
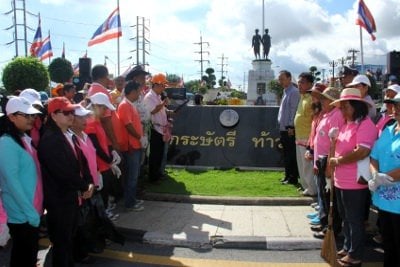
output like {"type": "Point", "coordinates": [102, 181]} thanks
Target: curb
{"type": "Point", "coordinates": [227, 242]}
{"type": "Point", "coordinates": [253, 201]}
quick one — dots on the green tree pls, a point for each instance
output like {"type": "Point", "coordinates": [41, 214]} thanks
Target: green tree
{"type": "Point", "coordinates": [173, 78]}
{"type": "Point", "coordinates": [60, 70]}
{"type": "Point", "coordinates": [275, 87]}
{"type": "Point", "coordinates": [211, 79]}
{"type": "Point", "coordinates": [25, 72]}
{"type": "Point", "coordinates": [238, 94]}
{"type": "Point", "coordinates": [315, 73]}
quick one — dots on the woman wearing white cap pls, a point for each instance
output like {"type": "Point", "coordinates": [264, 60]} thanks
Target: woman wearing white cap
{"type": "Point", "coordinates": [20, 180]}
{"type": "Point", "coordinates": [352, 143]}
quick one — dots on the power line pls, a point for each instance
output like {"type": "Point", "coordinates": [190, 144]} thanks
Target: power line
{"type": "Point", "coordinates": [201, 52]}
{"type": "Point", "coordinates": [222, 67]}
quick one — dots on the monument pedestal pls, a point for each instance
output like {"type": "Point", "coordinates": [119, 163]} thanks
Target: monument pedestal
{"type": "Point", "coordinates": [259, 77]}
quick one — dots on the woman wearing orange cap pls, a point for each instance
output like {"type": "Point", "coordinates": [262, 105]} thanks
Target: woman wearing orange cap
{"type": "Point", "coordinates": [66, 177]}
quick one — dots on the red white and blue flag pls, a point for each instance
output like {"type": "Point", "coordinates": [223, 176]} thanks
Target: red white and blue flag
{"type": "Point", "coordinates": [365, 19]}
{"type": "Point", "coordinates": [45, 50]}
{"type": "Point", "coordinates": [37, 41]}
{"type": "Point", "coordinates": [110, 29]}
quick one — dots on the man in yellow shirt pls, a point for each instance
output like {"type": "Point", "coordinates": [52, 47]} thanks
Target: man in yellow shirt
{"type": "Point", "coordinates": [116, 94]}
{"type": "Point", "coordinates": [302, 124]}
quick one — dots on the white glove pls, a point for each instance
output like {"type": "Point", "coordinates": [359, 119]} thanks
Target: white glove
{"type": "Point", "coordinates": [328, 186]}
{"type": "Point", "coordinates": [100, 185]}
{"type": "Point", "coordinates": [308, 155]}
{"type": "Point", "coordinates": [333, 133]}
{"type": "Point", "coordinates": [4, 234]}
{"type": "Point", "coordinates": [116, 158]}
{"type": "Point", "coordinates": [383, 179]}
{"type": "Point", "coordinates": [372, 185]}
{"type": "Point", "coordinates": [143, 141]}
{"type": "Point", "coordinates": [116, 170]}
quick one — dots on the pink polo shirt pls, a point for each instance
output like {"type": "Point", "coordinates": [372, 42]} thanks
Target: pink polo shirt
{"type": "Point", "coordinates": [332, 119]}
{"type": "Point", "coordinates": [352, 134]}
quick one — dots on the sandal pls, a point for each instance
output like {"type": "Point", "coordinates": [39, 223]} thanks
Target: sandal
{"type": "Point", "coordinates": [341, 253]}
{"type": "Point", "coordinates": [348, 261]}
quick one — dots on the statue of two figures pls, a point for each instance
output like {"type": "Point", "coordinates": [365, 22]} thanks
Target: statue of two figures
{"type": "Point", "coordinates": [257, 41]}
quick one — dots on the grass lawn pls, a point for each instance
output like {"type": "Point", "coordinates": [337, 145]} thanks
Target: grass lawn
{"type": "Point", "coordinates": [224, 183]}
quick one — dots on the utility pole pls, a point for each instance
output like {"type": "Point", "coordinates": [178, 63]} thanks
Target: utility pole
{"type": "Point", "coordinates": [201, 52]}
{"type": "Point", "coordinates": [342, 61]}
{"type": "Point", "coordinates": [333, 64]}
{"type": "Point", "coordinates": [141, 40]}
{"type": "Point", "coordinates": [353, 56]}
{"type": "Point", "coordinates": [16, 11]}
{"type": "Point", "coordinates": [222, 67]}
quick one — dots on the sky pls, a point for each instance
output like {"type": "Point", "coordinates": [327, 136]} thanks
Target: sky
{"type": "Point", "coordinates": [303, 33]}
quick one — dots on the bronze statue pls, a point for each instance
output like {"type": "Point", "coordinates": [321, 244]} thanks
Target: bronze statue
{"type": "Point", "coordinates": [255, 43]}
{"type": "Point", "coordinates": [266, 41]}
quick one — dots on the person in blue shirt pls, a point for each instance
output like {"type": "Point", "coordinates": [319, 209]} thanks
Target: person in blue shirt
{"type": "Point", "coordinates": [286, 114]}
{"type": "Point", "coordinates": [20, 181]}
{"type": "Point", "coordinates": [385, 185]}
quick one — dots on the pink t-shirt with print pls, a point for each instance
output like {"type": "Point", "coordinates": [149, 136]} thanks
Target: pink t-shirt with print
{"type": "Point", "coordinates": [352, 134]}
{"type": "Point", "coordinates": [332, 119]}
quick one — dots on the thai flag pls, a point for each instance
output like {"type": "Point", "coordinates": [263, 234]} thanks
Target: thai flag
{"type": "Point", "coordinates": [110, 29]}
{"type": "Point", "coordinates": [365, 19]}
{"type": "Point", "coordinates": [45, 51]}
{"type": "Point", "coordinates": [37, 41]}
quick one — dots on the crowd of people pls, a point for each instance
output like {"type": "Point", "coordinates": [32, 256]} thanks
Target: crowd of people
{"type": "Point", "coordinates": [65, 164]}
{"type": "Point", "coordinates": [336, 133]}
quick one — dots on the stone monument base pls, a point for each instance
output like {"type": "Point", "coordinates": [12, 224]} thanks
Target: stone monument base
{"type": "Point", "coordinates": [259, 78]}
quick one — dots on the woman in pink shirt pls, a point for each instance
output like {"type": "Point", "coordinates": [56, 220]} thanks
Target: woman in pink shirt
{"type": "Point", "coordinates": [353, 143]}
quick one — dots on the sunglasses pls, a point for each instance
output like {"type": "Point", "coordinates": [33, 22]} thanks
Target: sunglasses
{"type": "Point", "coordinates": [26, 116]}
{"type": "Point", "coordinates": [66, 112]}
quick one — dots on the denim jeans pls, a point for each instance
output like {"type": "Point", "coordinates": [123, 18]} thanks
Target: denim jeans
{"type": "Point", "coordinates": [132, 161]}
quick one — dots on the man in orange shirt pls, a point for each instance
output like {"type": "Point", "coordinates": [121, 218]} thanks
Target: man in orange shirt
{"type": "Point", "coordinates": [130, 142]}
{"type": "Point", "coordinates": [109, 121]}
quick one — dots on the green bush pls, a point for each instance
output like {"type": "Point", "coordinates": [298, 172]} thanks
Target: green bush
{"type": "Point", "coordinates": [60, 70]}
{"type": "Point", "coordinates": [25, 72]}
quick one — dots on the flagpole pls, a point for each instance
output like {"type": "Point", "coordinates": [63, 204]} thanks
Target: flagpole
{"type": "Point", "coordinates": [49, 41]}
{"type": "Point", "coordinates": [118, 59]}
{"type": "Point", "coordinates": [362, 52]}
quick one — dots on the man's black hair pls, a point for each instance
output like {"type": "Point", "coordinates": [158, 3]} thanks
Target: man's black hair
{"type": "Point", "coordinates": [99, 71]}
{"type": "Point", "coordinates": [130, 86]}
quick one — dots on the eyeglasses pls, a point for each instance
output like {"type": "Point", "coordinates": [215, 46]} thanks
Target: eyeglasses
{"type": "Point", "coordinates": [66, 112]}
{"type": "Point", "coordinates": [26, 116]}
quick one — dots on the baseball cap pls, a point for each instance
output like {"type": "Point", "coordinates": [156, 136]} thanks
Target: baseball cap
{"type": "Point", "coordinates": [359, 79]}
{"type": "Point", "coordinates": [159, 79]}
{"type": "Point", "coordinates": [393, 87]}
{"type": "Point", "coordinates": [82, 112]}
{"type": "Point", "coordinates": [135, 71]}
{"type": "Point", "coordinates": [394, 100]}
{"type": "Point", "coordinates": [20, 104]}
{"type": "Point", "coordinates": [101, 99]}
{"type": "Point", "coordinates": [348, 71]}
{"type": "Point", "coordinates": [32, 96]}
{"type": "Point", "coordinates": [60, 103]}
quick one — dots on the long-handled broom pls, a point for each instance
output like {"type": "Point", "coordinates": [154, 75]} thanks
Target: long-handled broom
{"type": "Point", "coordinates": [328, 250]}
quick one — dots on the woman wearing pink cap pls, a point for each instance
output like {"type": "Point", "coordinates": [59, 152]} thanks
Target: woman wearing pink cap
{"type": "Point", "coordinates": [353, 142]}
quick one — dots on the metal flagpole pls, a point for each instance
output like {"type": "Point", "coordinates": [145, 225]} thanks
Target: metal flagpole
{"type": "Point", "coordinates": [362, 52]}
{"type": "Point", "coordinates": [263, 24]}
{"type": "Point", "coordinates": [118, 59]}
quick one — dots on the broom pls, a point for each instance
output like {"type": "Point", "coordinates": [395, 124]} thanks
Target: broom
{"type": "Point", "coordinates": [328, 250]}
